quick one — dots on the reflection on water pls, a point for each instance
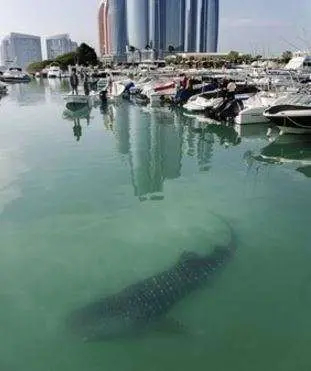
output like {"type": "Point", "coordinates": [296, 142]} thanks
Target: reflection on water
{"type": "Point", "coordinates": [84, 114]}
{"type": "Point", "coordinates": [294, 150]}
{"type": "Point", "coordinates": [155, 140]}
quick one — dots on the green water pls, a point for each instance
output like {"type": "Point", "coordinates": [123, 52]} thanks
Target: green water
{"type": "Point", "coordinates": [81, 219]}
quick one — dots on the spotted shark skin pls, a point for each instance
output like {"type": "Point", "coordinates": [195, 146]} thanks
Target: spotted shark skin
{"type": "Point", "coordinates": [138, 307]}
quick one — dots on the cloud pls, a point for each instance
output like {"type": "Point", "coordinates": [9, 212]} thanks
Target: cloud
{"type": "Point", "coordinates": [251, 22]}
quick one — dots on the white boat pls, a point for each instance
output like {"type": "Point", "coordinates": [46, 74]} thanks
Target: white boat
{"type": "Point", "coordinates": [200, 102]}
{"type": "Point", "coordinates": [15, 74]}
{"type": "Point", "coordinates": [255, 106]}
{"type": "Point", "coordinates": [54, 72]}
{"type": "Point", "coordinates": [292, 116]}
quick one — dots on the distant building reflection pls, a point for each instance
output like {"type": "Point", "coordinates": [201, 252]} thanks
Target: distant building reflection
{"type": "Point", "coordinates": [200, 144]}
{"type": "Point", "coordinates": [30, 94]}
{"type": "Point", "coordinates": [153, 142]}
{"type": "Point", "coordinates": [155, 139]}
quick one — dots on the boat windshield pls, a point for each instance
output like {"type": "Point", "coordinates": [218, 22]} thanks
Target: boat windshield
{"type": "Point", "coordinates": [297, 99]}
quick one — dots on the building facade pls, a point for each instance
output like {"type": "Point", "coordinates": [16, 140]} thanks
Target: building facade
{"type": "Point", "coordinates": [104, 28]}
{"type": "Point", "coordinates": [175, 12]}
{"type": "Point", "coordinates": [137, 15]}
{"type": "Point", "coordinates": [117, 27]}
{"type": "Point", "coordinates": [213, 26]}
{"type": "Point", "coordinates": [58, 45]}
{"type": "Point", "coordinates": [21, 50]}
{"type": "Point", "coordinates": [157, 25]}
{"type": "Point", "coordinates": [162, 25]}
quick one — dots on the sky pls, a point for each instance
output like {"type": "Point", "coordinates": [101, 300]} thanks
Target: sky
{"type": "Point", "coordinates": [265, 27]}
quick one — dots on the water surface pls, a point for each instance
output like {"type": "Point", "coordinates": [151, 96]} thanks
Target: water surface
{"type": "Point", "coordinates": [91, 205]}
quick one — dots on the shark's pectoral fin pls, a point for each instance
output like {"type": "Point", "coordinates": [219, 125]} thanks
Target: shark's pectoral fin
{"type": "Point", "coordinates": [169, 325]}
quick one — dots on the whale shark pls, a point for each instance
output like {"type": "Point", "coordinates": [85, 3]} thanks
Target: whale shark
{"type": "Point", "coordinates": [142, 305]}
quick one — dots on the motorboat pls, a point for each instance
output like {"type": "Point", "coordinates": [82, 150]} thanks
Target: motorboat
{"type": "Point", "coordinates": [54, 72]}
{"type": "Point", "coordinates": [255, 106]}
{"type": "Point", "coordinates": [15, 75]}
{"type": "Point", "coordinates": [200, 102]}
{"type": "Point", "coordinates": [225, 109]}
{"type": "Point", "coordinates": [292, 116]}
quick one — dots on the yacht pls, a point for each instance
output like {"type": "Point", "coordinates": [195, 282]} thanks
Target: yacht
{"type": "Point", "coordinates": [293, 115]}
{"type": "Point", "coordinates": [255, 106]}
{"type": "Point", "coordinates": [54, 72]}
{"type": "Point", "coordinates": [201, 102]}
{"type": "Point", "coordinates": [15, 74]}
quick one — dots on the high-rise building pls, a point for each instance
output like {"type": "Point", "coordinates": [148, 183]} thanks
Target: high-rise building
{"type": "Point", "coordinates": [112, 27]}
{"type": "Point", "coordinates": [137, 15]}
{"type": "Point", "coordinates": [163, 25]}
{"type": "Point", "coordinates": [157, 24]}
{"type": "Point", "coordinates": [213, 26]}
{"type": "Point", "coordinates": [117, 27]}
{"type": "Point", "coordinates": [104, 28]}
{"type": "Point", "coordinates": [58, 45]}
{"type": "Point", "coordinates": [175, 25]}
{"type": "Point", "coordinates": [191, 25]}
{"type": "Point", "coordinates": [20, 49]}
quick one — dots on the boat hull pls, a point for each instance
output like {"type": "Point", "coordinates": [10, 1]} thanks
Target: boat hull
{"type": "Point", "coordinates": [251, 116]}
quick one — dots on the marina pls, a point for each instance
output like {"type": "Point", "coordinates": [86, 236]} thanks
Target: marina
{"type": "Point", "coordinates": [97, 199]}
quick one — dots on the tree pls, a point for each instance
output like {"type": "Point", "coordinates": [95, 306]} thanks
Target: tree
{"type": "Point", "coordinates": [233, 56]}
{"type": "Point", "coordinates": [247, 58]}
{"type": "Point", "coordinates": [66, 60]}
{"type": "Point", "coordinates": [38, 66]}
{"type": "Point", "coordinates": [86, 55]}
{"type": "Point", "coordinates": [287, 56]}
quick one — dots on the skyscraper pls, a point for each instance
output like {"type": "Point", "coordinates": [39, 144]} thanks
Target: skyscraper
{"type": "Point", "coordinates": [213, 26]}
{"type": "Point", "coordinates": [104, 28]}
{"type": "Point", "coordinates": [112, 27]}
{"type": "Point", "coordinates": [179, 25]}
{"type": "Point", "coordinates": [175, 24]}
{"type": "Point", "coordinates": [21, 49]}
{"type": "Point", "coordinates": [137, 15]}
{"type": "Point", "coordinates": [157, 24]}
{"type": "Point", "coordinates": [102, 23]}
{"type": "Point", "coordinates": [191, 9]}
